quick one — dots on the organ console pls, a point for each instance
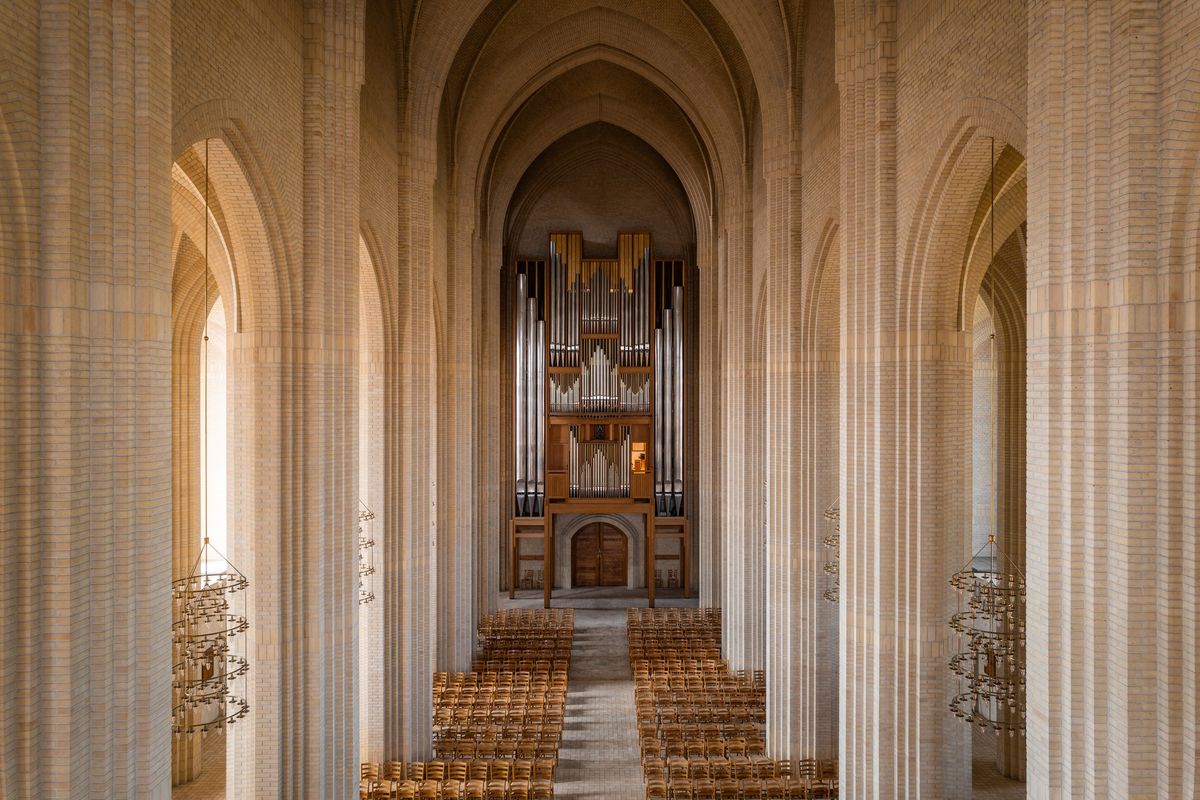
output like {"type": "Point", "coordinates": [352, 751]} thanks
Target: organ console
{"type": "Point", "coordinates": [599, 392]}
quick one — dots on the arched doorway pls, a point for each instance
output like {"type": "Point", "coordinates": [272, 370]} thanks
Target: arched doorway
{"type": "Point", "coordinates": [599, 556]}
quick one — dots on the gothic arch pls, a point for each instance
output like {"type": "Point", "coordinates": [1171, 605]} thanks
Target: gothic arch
{"type": "Point", "coordinates": [242, 269]}
{"type": "Point", "coordinates": [947, 212]}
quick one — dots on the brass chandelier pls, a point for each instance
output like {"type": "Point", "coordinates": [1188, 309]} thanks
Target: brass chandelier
{"type": "Point", "coordinates": [206, 665]}
{"type": "Point", "coordinates": [366, 546]}
{"type": "Point", "coordinates": [833, 542]}
{"type": "Point", "coordinates": [205, 623]}
{"type": "Point", "coordinates": [990, 622]}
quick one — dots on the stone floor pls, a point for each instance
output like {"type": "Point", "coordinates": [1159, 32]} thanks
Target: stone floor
{"type": "Point", "coordinates": [602, 597]}
{"type": "Point", "coordinates": [598, 757]}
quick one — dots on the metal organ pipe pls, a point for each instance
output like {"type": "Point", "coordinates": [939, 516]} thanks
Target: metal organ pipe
{"type": "Point", "coordinates": [658, 419]}
{"type": "Point", "coordinates": [539, 404]}
{"type": "Point", "coordinates": [520, 377]}
{"type": "Point", "coordinates": [531, 402]}
{"type": "Point", "coordinates": [668, 337]}
{"type": "Point", "coordinates": [677, 396]}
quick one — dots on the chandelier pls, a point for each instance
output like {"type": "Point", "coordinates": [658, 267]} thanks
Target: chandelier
{"type": "Point", "coordinates": [833, 542]}
{"type": "Point", "coordinates": [205, 624]}
{"type": "Point", "coordinates": [990, 621]}
{"type": "Point", "coordinates": [990, 624]}
{"type": "Point", "coordinates": [366, 546]}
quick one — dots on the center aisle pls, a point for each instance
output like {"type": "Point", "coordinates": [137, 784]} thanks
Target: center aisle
{"type": "Point", "coordinates": [598, 757]}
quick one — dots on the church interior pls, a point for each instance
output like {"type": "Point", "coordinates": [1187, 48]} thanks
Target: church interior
{"type": "Point", "coordinates": [619, 399]}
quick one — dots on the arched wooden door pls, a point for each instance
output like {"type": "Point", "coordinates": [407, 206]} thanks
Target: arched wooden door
{"type": "Point", "coordinates": [599, 556]}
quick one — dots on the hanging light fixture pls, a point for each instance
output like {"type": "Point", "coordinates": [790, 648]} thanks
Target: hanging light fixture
{"type": "Point", "coordinates": [205, 623]}
{"type": "Point", "coordinates": [366, 547]}
{"type": "Point", "coordinates": [990, 621]}
{"type": "Point", "coordinates": [833, 542]}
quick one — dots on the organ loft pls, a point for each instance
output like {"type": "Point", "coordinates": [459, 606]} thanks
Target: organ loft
{"type": "Point", "coordinates": [599, 399]}
{"type": "Point", "coordinates": [599, 359]}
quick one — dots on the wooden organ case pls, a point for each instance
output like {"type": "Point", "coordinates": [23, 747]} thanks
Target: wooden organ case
{"type": "Point", "coordinates": [598, 399]}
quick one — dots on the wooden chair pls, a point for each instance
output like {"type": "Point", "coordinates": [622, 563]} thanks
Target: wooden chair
{"type": "Point", "coordinates": [404, 790]}
{"type": "Point", "coordinates": [775, 789]}
{"type": "Point", "coordinates": [681, 789]}
{"type": "Point", "coordinates": [821, 790]}
{"type": "Point", "coordinates": [729, 789]}
{"type": "Point", "coordinates": [752, 789]}
{"type": "Point", "coordinates": [656, 790]}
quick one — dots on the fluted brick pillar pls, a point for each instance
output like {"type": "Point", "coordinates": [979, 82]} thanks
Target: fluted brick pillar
{"type": "Point", "coordinates": [410, 558]}
{"type": "Point", "coordinates": [903, 435]}
{"type": "Point", "coordinates": [1113, 399]}
{"type": "Point", "coordinates": [85, 367]}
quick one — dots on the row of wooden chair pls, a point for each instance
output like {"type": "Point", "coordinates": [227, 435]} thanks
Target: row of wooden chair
{"type": "Point", "coordinates": [661, 617]}
{"type": "Point", "coordinates": [527, 619]}
{"type": "Point", "coordinates": [460, 770]}
{"type": "Point", "coordinates": [497, 680]}
{"type": "Point", "coordinates": [664, 746]}
{"type": "Point", "coordinates": [734, 789]}
{"type": "Point", "coordinates": [456, 790]}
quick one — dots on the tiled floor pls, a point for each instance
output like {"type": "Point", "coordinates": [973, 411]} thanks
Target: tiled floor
{"type": "Point", "coordinates": [600, 598]}
{"type": "Point", "coordinates": [599, 753]}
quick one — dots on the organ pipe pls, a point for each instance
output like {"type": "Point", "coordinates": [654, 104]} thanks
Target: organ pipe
{"type": "Point", "coordinates": [529, 385]}
{"type": "Point", "coordinates": [598, 338]}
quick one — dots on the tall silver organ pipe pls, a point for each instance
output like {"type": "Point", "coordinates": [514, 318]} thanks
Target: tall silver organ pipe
{"type": "Point", "coordinates": [676, 413]}
{"type": "Point", "coordinates": [659, 439]}
{"type": "Point", "coordinates": [521, 434]}
{"type": "Point", "coordinates": [668, 399]}
{"type": "Point", "coordinates": [530, 411]}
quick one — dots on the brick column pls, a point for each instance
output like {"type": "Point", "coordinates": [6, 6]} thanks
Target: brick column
{"type": "Point", "coordinates": [740, 531]}
{"type": "Point", "coordinates": [1113, 396]}
{"type": "Point", "coordinates": [902, 429]}
{"type": "Point", "coordinates": [318, 578]}
{"type": "Point", "coordinates": [409, 560]}
{"type": "Point", "coordinates": [85, 368]}
{"type": "Point", "coordinates": [460, 439]}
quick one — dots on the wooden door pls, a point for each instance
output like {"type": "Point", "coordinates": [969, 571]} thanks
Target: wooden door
{"type": "Point", "coordinates": [612, 556]}
{"type": "Point", "coordinates": [599, 556]}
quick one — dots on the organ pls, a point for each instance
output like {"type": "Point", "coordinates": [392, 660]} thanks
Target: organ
{"type": "Point", "coordinates": [598, 387]}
